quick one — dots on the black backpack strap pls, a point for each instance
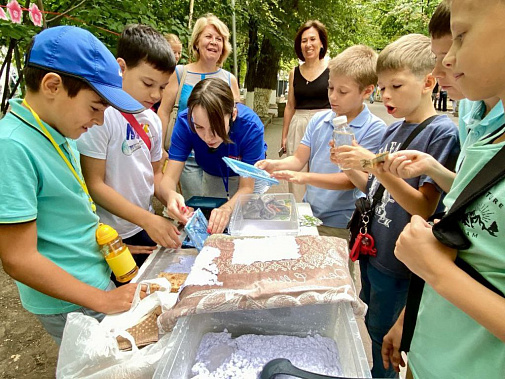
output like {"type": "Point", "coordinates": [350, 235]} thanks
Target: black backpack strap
{"type": "Point", "coordinates": [419, 128]}
{"type": "Point", "coordinates": [477, 276]}
{"type": "Point", "coordinates": [448, 232]}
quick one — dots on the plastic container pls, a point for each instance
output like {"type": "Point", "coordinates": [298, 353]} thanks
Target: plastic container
{"type": "Point", "coordinates": [335, 321]}
{"type": "Point", "coordinates": [342, 133]}
{"type": "Point", "coordinates": [116, 253]}
{"type": "Point", "coordinates": [206, 204]}
{"type": "Point", "coordinates": [264, 215]}
{"type": "Point", "coordinates": [247, 170]}
{"type": "Point", "coordinates": [168, 260]}
{"type": "Point", "coordinates": [197, 228]}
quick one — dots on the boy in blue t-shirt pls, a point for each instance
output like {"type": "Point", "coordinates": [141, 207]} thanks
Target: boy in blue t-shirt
{"type": "Point", "coordinates": [404, 69]}
{"type": "Point", "coordinates": [330, 193]}
{"type": "Point", "coordinates": [122, 165]}
{"type": "Point", "coordinates": [47, 219]}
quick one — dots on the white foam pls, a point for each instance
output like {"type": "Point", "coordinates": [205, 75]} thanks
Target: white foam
{"type": "Point", "coordinates": [204, 271]}
{"type": "Point", "coordinates": [219, 356]}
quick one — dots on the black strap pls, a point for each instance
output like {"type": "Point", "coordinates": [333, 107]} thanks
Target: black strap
{"type": "Point", "coordinates": [419, 128]}
{"type": "Point", "coordinates": [448, 232]}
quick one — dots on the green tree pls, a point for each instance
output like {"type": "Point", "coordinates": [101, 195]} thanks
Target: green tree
{"type": "Point", "coordinates": [382, 21]}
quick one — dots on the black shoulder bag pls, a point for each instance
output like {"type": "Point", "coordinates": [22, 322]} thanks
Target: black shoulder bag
{"type": "Point", "coordinates": [364, 209]}
{"type": "Point", "coordinates": [448, 232]}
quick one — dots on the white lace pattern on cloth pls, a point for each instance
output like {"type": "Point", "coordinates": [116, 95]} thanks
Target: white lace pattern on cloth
{"type": "Point", "coordinates": [320, 275]}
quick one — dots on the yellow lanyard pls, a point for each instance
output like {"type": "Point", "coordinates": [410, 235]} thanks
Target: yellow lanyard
{"type": "Point", "coordinates": [62, 155]}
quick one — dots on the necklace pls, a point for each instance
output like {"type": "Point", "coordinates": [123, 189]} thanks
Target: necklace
{"type": "Point", "coordinates": [62, 155]}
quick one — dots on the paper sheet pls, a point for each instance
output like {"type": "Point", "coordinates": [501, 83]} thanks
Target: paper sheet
{"type": "Point", "coordinates": [250, 250]}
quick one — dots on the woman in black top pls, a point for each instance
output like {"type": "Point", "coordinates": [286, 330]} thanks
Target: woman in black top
{"type": "Point", "coordinates": [308, 92]}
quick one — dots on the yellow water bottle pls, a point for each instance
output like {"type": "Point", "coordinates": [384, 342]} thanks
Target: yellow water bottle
{"type": "Point", "coordinates": [116, 253]}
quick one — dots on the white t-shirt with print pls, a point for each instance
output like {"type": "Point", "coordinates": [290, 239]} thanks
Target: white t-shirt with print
{"type": "Point", "coordinates": [128, 166]}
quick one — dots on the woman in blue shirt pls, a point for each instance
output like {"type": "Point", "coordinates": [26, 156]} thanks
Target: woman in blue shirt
{"type": "Point", "coordinates": [214, 127]}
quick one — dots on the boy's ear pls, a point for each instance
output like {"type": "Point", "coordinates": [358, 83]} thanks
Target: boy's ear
{"type": "Point", "coordinates": [234, 113]}
{"type": "Point", "coordinates": [368, 91]}
{"type": "Point", "coordinates": [51, 84]}
{"type": "Point", "coordinates": [429, 83]}
{"type": "Point", "coordinates": [122, 64]}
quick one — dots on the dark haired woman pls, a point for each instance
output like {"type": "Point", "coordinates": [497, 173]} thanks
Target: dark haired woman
{"type": "Point", "coordinates": [308, 92]}
{"type": "Point", "coordinates": [214, 127]}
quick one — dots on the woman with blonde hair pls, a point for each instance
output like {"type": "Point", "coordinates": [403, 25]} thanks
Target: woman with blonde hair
{"type": "Point", "coordinates": [210, 47]}
{"type": "Point", "coordinates": [308, 89]}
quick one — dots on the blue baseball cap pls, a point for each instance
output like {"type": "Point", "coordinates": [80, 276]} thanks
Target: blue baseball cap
{"type": "Point", "coordinates": [76, 52]}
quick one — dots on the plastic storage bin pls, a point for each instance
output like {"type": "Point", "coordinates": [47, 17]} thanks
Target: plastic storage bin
{"type": "Point", "coordinates": [335, 321]}
{"type": "Point", "coordinates": [250, 219]}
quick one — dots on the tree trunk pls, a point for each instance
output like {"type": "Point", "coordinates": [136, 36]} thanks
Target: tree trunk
{"type": "Point", "coordinates": [268, 65]}
{"type": "Point", "coordinates": [265, 79]}
{"type": "Point", "coordinates": [262, 101]}
{"type": "Point", "coordinates": [252, 54]}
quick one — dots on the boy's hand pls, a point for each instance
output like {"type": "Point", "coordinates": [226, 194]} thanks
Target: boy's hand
{"type": "Point", "coordinates": [291, 176]}
{"type": "Point", "coordinates": [391, 346]}
{"type": "Point", "coordinates": [421, 252]}
{"type": "Point", "coordinates": [176, 207]}
{"type": "Point", "coordinates": [266, 164]}
{"type": "Point", "coordinates": [162, 231]}
{"type": "Point", "coordinates": [219, 219]}
{"type": "Point", "coordinates": [120, 299]}
{"type": "Point", "coordinates": [350, 157]}
{"type": "Point", "coordinates": [134, 249]}
{"type": "Point", "coordinates": [409, 164]}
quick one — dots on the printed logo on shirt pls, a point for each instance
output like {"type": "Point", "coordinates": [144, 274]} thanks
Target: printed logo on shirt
{"type": "Point", "coordinates": [380, 209]}
{"type": "Point", "coordinates": [482, 218]}
{"type": "Point", "coordinates": [236, 158]}
{"type": "Point", "coordinates": [132, 141]}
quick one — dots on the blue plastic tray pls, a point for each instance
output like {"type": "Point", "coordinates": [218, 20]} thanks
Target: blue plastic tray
{"type": "Point", "coordinates": [249, 171]}
{"type": "Point", "coordinates": [196, 227]}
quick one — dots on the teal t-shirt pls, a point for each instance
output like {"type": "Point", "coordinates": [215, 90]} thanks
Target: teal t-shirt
{"type": "Point", "coordinates": [448, 343]}
{"type": "Point", "coordinates": [473, 126]}
{"type": "Point", "coordinates": [37, 185]}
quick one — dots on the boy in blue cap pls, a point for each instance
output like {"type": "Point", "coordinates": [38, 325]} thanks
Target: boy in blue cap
{"type": "Point", "coordinates": [47, 218]}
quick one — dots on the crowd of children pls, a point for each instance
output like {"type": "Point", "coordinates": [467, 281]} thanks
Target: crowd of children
{"type": "Point", "coordinates": [50, 210]}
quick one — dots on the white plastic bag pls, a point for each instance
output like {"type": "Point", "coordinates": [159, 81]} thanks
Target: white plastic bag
{"type": "Point", "coordinates": [89, 349]}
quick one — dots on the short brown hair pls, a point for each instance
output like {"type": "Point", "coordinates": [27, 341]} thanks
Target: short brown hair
{"type": "Point", "coordinates": [142, 43]}
{"type": "Point", "coordinates": [440, 23]}
{"type": "Point", "coordinates": [412, 52]}
{"type": "Point", "coordinates": [323, 36]}
{"type": "Point", "coordinates": [222, 29]}
{"type": "Point", "coordinates": [357, 62]}
{"type": "Point", "coordinates": [34, 76]}
{"type": "Point", "coordinates": [215, 96]}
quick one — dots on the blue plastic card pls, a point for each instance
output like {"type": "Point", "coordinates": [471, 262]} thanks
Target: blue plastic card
{"type": "Point", "coordinates": [196, 227]}
{"type": "Point", "coordinates": [249, 171]}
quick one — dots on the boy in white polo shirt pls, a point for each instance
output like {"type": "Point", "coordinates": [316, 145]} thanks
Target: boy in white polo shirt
{"type": "Point", "coordinates": [47, 219]}
{"type": "Point", "coordinates": [121, 161]}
